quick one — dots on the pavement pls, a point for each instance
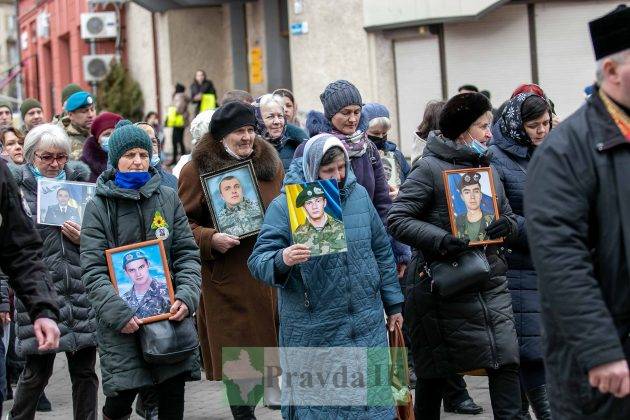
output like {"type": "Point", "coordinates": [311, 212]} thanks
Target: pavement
{"type": "Point", "coordinates": [206, 399]}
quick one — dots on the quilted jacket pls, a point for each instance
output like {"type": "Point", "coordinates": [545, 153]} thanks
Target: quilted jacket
{"type": "Point", "coordinates": [510, 159]}
{"type": "Point", "coordinates": [335, 300]}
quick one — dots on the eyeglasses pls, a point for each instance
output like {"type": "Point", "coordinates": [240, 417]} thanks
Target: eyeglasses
{"type": "Point", "coordinates": [48, 158]}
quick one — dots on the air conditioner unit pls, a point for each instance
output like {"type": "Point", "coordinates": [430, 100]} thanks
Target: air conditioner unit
{"type": "Point", "coordinates": [95, 67]}
{"type": "Point", "coordinates": [99, 25]}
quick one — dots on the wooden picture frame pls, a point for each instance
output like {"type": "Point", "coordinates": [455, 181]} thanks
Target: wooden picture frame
{"type": "Point", "coordinates": [484, 197]}
{"type": "Point", "coordinates": [151, 249]}
{"type": "Point", "coordinates": [248, 221]}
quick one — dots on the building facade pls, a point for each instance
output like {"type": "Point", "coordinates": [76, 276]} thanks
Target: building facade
{"type": "Point", "coordinates": [9, 55]}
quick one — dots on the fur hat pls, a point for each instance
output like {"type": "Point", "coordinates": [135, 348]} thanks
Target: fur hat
{"type": "Point", "coordinates": [461, 111]}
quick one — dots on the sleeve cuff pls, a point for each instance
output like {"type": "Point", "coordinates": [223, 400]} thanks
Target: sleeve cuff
{"type": "Point", "coordinates": [394, 309]}
{"type": "Point", "coordinates": [278, 263]}
{"type": "Point", "coordinates": [47, 313]}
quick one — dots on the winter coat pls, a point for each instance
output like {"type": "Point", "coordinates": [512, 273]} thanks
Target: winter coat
{"type": "Point", "coordinates": [335, 300]}
{"type": "Point", "coordinates": [510, 159]}
{"type": "Point", "coordinates": [61, 257]}
{"type": "Point", "coordinates": [294, 137]}
{"type": "Point", "coordinates": [94, 157]}
{"type": "Point", "coordinates": [474, 328]}
{"type": "Point", "coordinates": [77, 137]}
{"type": "Point", "coordinates": [21, 254]}
{"type": "Point", "coordinates": [167, 180]}
{"type": "Point", "coordinates": [129, 221]}
{"type": "Point", "coordinates": [576, 202]}
{"type": "Point", "coordinates": [236, 309]}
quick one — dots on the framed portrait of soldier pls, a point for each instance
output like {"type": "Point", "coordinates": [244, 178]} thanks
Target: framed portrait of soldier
{"type": "Point", "coordinates": [140, 275]}
{"type": "Point", "coordinates": [234, 200]}
{"type": "Point", "coordinates": [315, 216]}
{"type": "Point", "coordinates": [62, 201]}
{"type": "Point", "coordinates": [472, 203]}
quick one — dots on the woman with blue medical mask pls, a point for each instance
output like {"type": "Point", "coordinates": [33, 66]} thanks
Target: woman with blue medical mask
{"type": "Point", "coordinates": [168, 179]}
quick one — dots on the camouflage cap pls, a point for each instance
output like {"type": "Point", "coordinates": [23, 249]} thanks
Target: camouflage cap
{"type": "Point", "coordinates": [310, 191]}
{"type": "Point", "coordinates": [469, 178]}
{"type": "Point", "coordinates": [133, 256]}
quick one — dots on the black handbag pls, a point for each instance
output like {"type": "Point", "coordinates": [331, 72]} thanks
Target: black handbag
{"type": "Point", "coordinates": [458, 273]}
{"type": "Point", "coordinates": [168, 342]}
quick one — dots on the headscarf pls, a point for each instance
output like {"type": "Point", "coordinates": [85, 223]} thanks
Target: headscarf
{"type": "Point", "coordinates": [511, 120]}
{"type": "Point", "coordinates": [314, 151]}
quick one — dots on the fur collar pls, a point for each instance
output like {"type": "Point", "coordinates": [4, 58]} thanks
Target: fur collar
{"type": "Point", "coordinates": [210, 156]}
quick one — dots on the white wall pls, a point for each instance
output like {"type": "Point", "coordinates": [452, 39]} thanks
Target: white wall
{"type": "Point", "coordinates": [141, 52]}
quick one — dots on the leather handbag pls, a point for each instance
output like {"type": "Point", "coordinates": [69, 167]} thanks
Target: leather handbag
{"type": "Point", "coordinates": [453, 275]}
{"type": "Point", "coordinates": [399, 375]}
{"type": "Point", "coordinates": [168, 342]}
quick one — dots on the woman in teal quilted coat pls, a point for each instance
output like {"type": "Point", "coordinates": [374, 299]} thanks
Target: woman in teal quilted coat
{"type": "Point", "coordinates": [335, 300]}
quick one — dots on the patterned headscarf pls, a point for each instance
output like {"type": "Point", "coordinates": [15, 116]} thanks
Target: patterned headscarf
{"type": "Point", "coordinates": [511, 120]}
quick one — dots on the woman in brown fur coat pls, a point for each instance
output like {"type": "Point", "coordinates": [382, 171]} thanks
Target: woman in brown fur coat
{"type": "Point", "coordinates": [238, 310]}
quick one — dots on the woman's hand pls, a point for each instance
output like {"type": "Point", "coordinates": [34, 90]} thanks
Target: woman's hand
{"type": "Point", "coordinates": [222, 242]}
{"type": "Point", "coordinates": [394, 319]}
{"type": "Point", "coordinates": [72, 231]}
{"type": "Point", "coordinates": [393, 192]}
{"type": "Point", "coordinates": [5, 317]}
{"type": "Point", "coordinates": [295, 254]}
{"type": "Point", "coordinates": [132, 326]}
{"type": "Point", "coordinates": [179, 311]}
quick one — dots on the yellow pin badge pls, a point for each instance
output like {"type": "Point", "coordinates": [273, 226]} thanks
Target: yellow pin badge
{"type": "Point", "coordinates": [160, 226]}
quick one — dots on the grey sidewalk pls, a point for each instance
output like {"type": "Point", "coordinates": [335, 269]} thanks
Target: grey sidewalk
{"type": "Point", "coordinates": [206, 400]}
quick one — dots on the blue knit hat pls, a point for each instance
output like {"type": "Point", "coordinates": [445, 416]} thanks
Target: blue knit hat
{"type": "Point", "coordinates": [127, 136]}
{"type": "Point", "coordinates": [338, 95]}
{"type": "Point", "coordinates": [375, 110]}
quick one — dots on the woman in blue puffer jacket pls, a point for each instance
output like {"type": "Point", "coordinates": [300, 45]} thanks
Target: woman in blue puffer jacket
{"type": "Point", "coordinates": [523, 125]}
{"type": "Point", "coordinates": [335, 300]}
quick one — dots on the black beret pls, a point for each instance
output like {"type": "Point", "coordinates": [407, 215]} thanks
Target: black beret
{"type": "Point", "coordinates": [231, 117]}
{"type": "Point", "coordinates": [469, 178]}
{"type": "Point", "coordinates": [461, 111]}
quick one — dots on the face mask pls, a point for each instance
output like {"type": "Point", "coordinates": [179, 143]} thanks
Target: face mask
{"type": "Point", "coordinates": [155, 159]}
{"type": "Point", "coordinates": [37, 174]}
{"type": "Point", "coordinates": [477, 146]}
{"type": "Point", "coordinates": [105, 143]}
{"type": "Point", "coordinates": [377, 139]}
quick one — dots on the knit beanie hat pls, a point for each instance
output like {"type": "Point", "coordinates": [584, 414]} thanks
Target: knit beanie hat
{"type": "Point", "coordinates": [231, 117]}
{"type": "Point", "coordinates": [374, 110]}
{"type": "Point", "coordinates": [460, 112]}
{"type": "Point", "coordinates": [103, 122]}
{"type": "Point", "coordinates": [127, 136]}
{"type": "Point", "coordinates": [6, 104]}
{"type": "Point", "coordinates": [29, 104]}
{"type": "Point", "coordinates": [337, 95]}
{"type": "Point", "coordinates": [68, 91]}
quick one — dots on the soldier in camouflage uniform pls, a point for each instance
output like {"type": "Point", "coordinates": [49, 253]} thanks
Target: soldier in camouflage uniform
{"type": "Point", "coordinates": [239, 215]}
{"type": "Point", "coordinates": [322, 233]}
{"type": "Point", "coordinates": [155, 299]}
{"type": "Point", "coordinates": [475, 229]}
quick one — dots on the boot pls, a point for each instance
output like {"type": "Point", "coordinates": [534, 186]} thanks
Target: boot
{"type": "Point", "coordinates": [524, 407]}
{"type": "Point", "coordinates": [540, 403]}
{"type": "Point", "coordinates": [243, 412]}
{"type": "Point", "coordinates": [43, 404]}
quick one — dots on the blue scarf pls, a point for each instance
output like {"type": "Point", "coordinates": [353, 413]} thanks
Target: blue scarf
{"type": "Point", "coordinates": [131, 180]}
{"type": "Point", "coordinates": [61, 176]}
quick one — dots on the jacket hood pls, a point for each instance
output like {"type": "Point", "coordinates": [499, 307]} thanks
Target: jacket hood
{"type": "Point", "coordinates": [295, 175]}
{"type": "Point", "coordinates": [507, 144]}
{"type": "Point", "coordinates": [449, 151]}
{"type": "Point", "coordinates": [209, 155]}
{"type": "Point", "coordinates": [106, 187]}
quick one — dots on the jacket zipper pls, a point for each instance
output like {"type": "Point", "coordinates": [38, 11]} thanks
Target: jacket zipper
{"type": "Point", "coordinates": [489, 331]}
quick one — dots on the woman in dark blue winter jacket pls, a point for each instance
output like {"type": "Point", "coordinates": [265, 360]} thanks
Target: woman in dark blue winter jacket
{"type": "Point", "coordinates": [522, 126]}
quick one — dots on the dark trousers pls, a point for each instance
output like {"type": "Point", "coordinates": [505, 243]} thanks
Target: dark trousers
{"type": "Point", "coordinates": [170, 395]}
{"type": "Point", "coordinates": [37, 372]}
{"type": "Point", "coordinates": [532, 374]}
{"type": "Point", "coordinates": [178, 142]}
{"type": "Point", "coordinates": [505, 394]}
{"type": "Point", "coordinates": [455, 391]}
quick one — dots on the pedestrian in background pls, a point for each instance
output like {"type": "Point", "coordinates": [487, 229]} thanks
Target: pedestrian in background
{"type": "Point", "coordinates": [430, 122]}
{"type": "Point", "coordinates": [473, 328]}
{"type": "Point", "coordinates": [521, 128]}
{"type": "Point", "coordinates": [576, 204]}
{"type": "Point", "coordinates": [6, 114]}
{"type": "Point", "coordinates": [290, 107]}
{"type": "Point", "coordinates": [46, 152]}
{"type": "Point", "coordinates": [167, 179]}
{"type": "Point", "coordinates": [239, 311]}
{"type": "Point", "coordinates": [96, 147]}
{"type": "Point", "coordinates": [12, 145]}
{"type": "Point", "coordinates": [127, 199]}
{"type": "Point", "coordinates": [32, 114]}
{"type": "Point", "coordinates": [77, 125]}
{"type": "Point", "coordinates": [199, 87]}
{"type": "Point", "coordinates": [177, 118]}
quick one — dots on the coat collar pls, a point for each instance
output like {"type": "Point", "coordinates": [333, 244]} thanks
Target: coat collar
{"type": "Point", "coordinates": [507, 144]}
{"type": "Point", "coordinates": [608, 135]}
{"type": "Point", "coordinates": [106, 187]}
{"type": "Point", "coordinates": [210, 156]}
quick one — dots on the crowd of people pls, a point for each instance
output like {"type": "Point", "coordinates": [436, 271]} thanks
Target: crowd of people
{"type": "Point", "coordinates": [553, 256]}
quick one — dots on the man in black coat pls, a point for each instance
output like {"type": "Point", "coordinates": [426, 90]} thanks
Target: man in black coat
{"type": "Point", "coordinates": [20, 260]}
{"type": "Point", "coordinates": [577, 203]}
{"type": "Point", "coordinates": [59, 213]}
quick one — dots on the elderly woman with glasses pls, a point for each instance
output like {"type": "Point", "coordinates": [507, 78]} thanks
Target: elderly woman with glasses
{"type": "Point", "coordinates": [46, 151]}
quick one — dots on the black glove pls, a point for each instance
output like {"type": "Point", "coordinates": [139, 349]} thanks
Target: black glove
{"type": "Point", "coordinates": [499, 228]}
{"type": "Point", "coordinates": [452, 245]}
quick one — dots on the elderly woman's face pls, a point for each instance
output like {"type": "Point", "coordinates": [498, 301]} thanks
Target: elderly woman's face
{"type": "Point", "coordinates": [241, 141]}
{"type": "Point", "coordinates": [347, 120]}
{"type": "Point", "coordinates": [134, 160]}
{"type": "Point", "coordinates": [273, 117]}
{"type": "Point", "coordinates": [50, 161]}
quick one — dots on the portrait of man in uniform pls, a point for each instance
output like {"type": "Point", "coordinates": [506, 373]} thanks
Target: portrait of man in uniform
{"type": "Point", "coordinates": [148, 296]}
{"type": "Point", "coordinates": [58, 214]}
{"type": "Point", "coordinates": [472, 203]}
{"type": "Point", "coordinates": [321, 232]}
{"type": "Point", "coordinates": [234, 200]}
